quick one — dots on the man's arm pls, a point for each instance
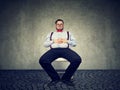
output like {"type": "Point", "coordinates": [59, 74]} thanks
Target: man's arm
{"type": "Point", "coordinates": [48, 42]}
{"type": "Point", "coordinates": [72, 40]}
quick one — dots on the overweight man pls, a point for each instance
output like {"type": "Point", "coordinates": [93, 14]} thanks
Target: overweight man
{"type": "Point", "coordinates": [60, 42]}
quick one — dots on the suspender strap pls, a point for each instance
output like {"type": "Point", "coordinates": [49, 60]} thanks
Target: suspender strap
{"type": "Point", "coordinates": [68, 37]}
{"type": "Point", "coordinates": [51, 38]}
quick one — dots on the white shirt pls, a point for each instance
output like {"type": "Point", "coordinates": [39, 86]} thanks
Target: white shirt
{"type": "Point", "coordinates": [56, 35]}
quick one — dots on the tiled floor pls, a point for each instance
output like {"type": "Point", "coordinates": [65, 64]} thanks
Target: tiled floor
{"type": "Point", "coordinates": [38, 80]}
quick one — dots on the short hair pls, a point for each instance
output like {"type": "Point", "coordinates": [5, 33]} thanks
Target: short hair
{"type": "Point", "coordinates": [59, 20]}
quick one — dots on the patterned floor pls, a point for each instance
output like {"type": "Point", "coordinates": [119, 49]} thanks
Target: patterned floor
{"type": "Point", "coordinates": [38, 79]}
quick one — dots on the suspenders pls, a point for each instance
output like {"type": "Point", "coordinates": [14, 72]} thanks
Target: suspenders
{"type": "Point", "coordinates": [52, 34]}
{"type": "Point", "coordinates": [68, 37]}
{"type": "Point", "coordinates": [51, 38]}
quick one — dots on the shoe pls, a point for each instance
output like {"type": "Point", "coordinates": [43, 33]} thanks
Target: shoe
{"type": "Point", "coordinates": [69, 83]}
{"type": "Point", "coordinates": [52, 83]}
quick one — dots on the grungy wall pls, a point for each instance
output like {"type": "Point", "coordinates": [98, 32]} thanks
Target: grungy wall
{"type": "Point", "coordinates": [24, 25]}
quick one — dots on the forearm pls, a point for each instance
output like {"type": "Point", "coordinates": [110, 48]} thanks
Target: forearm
{"type": "Point", "coordinates": [48, 43]}
{"type": "Point", "coordinates": [72, 43]}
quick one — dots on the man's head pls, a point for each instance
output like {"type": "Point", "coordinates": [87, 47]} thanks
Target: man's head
{"type": "Point", "coordinates": [59, 24]}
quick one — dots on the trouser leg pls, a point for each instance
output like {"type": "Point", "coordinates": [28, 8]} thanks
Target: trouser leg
{"type": "Point", "coordinates": [70, 70]}
{"type": "Point", "coordinates": [74, 60]}
{"type": "Point", "coordinates": [46, 60]}
{"type": "Point", "coordinates": [50, 71]}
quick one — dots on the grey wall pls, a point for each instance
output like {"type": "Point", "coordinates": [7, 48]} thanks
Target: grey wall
{"type": "Point", "coordinates": [24, 25]}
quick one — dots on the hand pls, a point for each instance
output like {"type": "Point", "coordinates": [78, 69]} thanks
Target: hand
{"type": "Point", "coordinates": [60, 41]}
{"type": "Point", "coordinates": [64, 40]}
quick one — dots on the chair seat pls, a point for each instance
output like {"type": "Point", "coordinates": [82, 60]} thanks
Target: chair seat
{"type": "Point", "coordinates": [61, 60]}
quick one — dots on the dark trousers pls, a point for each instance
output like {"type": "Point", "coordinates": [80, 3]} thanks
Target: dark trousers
{"type": "Point", "coordinates": [54, 53]}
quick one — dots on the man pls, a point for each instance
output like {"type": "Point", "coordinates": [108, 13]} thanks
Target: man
{"type": "Point", "coordinates": [59, 42]}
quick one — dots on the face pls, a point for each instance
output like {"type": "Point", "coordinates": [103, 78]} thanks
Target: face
{"type": "Point", "coordinates": [60, 25]}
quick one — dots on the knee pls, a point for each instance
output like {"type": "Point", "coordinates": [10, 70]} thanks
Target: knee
{"type": "Point", "coordinates": [78, 60]}
{"type": "Point", "coordinates": [40, 61]}
{"type": "Point", "coordinates": [43, 61]}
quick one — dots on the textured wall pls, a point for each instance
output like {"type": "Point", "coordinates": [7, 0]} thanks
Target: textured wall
{"type": "Point", "coordinates": [25, 23]}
